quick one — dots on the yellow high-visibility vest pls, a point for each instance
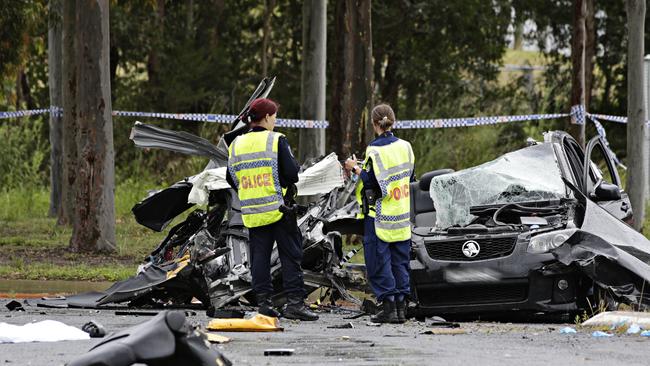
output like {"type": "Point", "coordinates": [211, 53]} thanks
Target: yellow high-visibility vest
{"type": "Point", "coordinates": [393, 166]}
{"type": "Point", "coordinates": [253, 166]}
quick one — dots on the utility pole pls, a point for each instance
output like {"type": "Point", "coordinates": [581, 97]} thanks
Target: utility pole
{"type": "Point", "coordinates": [54, 60]}
{"type": "Point", "coordinates": [312, 90]}
{"type": "Point", "coordinates": [637, 134]}
{"type": "Point", "coordinates": [578, 67]}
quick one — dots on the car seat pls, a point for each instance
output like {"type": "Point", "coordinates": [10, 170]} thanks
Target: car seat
{"type": "Point", "coordinates": [422, 211]}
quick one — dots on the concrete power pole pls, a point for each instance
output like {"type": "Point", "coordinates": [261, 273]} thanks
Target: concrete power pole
{"type": "Point", "coordinates": [578, 65]}
{"type": "Point", "coordinates": [637, 149]}
{"type": "Point", "coordinates": [312, 90]}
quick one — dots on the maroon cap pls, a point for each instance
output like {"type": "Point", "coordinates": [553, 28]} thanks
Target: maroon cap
{"type": "Point", "coordinates": [260, 108]}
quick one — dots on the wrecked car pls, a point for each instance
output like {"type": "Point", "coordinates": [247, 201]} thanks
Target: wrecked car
{"type": "Point", "coordinates": [205, 257]}
{"type": "Point", "coordinates": [541, 230]}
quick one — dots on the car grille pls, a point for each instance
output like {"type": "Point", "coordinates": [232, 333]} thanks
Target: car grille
{"type": "Point", "coordinates": [451, 250]}
{"type": "Point", "coordinates": [479, 294]}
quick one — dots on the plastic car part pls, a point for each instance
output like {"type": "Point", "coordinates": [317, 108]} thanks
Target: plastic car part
{"type": "Point", "coordinates": [167, 339]}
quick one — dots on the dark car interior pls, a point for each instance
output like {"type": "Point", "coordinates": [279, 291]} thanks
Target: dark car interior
{"type": "Point", "coordinates": [423, 214]}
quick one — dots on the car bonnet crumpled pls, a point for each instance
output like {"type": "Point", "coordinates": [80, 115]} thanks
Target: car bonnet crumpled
{"type": "Point", "coordinates": [611, 253]}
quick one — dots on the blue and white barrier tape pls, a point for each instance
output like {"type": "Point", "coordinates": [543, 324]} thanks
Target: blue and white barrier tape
{"type": "Point", "coordinates": [221, 118]}
{"type": "Point", "coordinates": [473, 121]}
{"type": "Point", "coordinates": [17, 114]}
{"type": "Point", "coordinates": [577, 115]}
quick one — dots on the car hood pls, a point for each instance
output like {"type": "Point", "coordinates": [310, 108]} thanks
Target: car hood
{"type": "Point", "coordinates": [611, 253]}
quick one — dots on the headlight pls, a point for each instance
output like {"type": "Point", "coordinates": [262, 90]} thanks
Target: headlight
{"type": "Point", "coordinates": [544, 243]}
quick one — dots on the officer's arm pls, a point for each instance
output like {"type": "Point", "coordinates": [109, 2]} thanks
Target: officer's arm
{"type": "Point", "coordinates": [287, 165]}
{"type": "Point", "coordinates": [368, 177]}
{"type": "Point", "coordinates": [229, 179]}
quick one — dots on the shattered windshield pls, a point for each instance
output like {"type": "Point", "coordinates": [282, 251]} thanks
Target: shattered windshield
{"type": "Point", "coordinates": [529, 174]}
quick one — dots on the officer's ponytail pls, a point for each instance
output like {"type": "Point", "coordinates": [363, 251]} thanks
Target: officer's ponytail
{"type": "Point", "coordinates": [383, 116]}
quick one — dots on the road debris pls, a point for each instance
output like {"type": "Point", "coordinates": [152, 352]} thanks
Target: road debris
{"type": "Point", "coordinates": [600, 333]}
{"type": "Point", "coordinates": [14, 305]}
{"type": "Point", "coordinates": [279, 352]}
{"type": "Point", "coordinates": [257, 323]}
{"type": "Point", "coordinates": [94, 329]}
{"type": "Point", "coordinates": [163, 340]}
{"type": "Point", "coordinates": [445, 331]}
{"type": "Point", "coordinates": [348, 325]}
{"type": "Point", "coordinates": [617, 318]}
{"type": "Point", "coordinates": [568, 330]}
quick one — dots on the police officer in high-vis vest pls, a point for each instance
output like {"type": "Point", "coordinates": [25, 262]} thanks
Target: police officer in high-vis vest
{"type": "Point", "coordinates": [383, 194]}
{"type": "Point", "coordinates": [261, 168]}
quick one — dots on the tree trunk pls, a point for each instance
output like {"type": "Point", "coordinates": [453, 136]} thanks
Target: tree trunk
{"type": "Point", "coordinates": [54, 57]}
{"type": "Point", "coordinates": [352, 78]}
{"type": "Point", "coordinates": [578, 67]}
{"type": "Point", "coordinates": [266, 35]}
{"type": "Point", "coordinates": [69, 127]}
{"type": "Point", "coordinates": [312, 90]}
{"type": "Point", "coordinates": [94, 215]}
{"type": "Point", "coordinates": [637, 149]}
{"type": "Point", "coordinates": [153, 59]}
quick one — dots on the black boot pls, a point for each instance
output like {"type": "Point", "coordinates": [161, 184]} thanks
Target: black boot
{"type": "Point", "coordinates": [401, 311]}
{"type": "Point", "coordinates": [266, 306]}
{"type": "Point", "coordinates": [296, 309]}
{"type": "Point", "coordinates": [388, 313]}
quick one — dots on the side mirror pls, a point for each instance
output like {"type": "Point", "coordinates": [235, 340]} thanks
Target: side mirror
{"type": "Point", "coordinates": [607, 192]}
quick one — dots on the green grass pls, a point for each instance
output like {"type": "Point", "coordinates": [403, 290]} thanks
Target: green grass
{"type": "Point", "coordinates": [79, 271]}
{"type": "Point", "coordinates": [35, 247]}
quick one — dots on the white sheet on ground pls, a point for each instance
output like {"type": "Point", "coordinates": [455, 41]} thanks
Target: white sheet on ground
{"type": "Point", "coordinates": [319, 178]}
{"type": "Point", "coordinates": [43, 331]}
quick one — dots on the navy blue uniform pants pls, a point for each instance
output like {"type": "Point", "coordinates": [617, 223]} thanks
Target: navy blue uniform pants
{"type": "Point", "coordinates": [286, 233]}
{"type": "Point", "coordinates": [387, 264]}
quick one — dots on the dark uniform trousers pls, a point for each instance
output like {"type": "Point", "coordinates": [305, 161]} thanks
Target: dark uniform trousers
{"type": "Point", "coordinates": [289, 239]}
{"type": "Point", "coordinates": [387, 264]}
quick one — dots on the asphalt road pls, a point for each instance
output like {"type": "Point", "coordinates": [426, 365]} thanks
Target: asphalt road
{"type": "Point", "coordinates": [315, 344]}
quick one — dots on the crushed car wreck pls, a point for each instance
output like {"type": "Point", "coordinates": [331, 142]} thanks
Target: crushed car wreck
{"type": "Point", "coordinates": [206, 256]}
{"type": "Point", "coordinates": [538, 230]}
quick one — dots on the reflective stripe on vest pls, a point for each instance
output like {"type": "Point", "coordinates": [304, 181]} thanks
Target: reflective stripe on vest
{"type": "Point", "coordinates": [253, 167]}
{"type": "Point", "coordinates": [393, 167]}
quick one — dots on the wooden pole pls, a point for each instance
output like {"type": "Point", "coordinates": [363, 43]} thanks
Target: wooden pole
{"type": "Point", "coordinates": [637, 148]}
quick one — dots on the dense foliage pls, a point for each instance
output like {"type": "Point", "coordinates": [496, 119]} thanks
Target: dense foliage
{"type": "Point", "coordinates": [432, 59]}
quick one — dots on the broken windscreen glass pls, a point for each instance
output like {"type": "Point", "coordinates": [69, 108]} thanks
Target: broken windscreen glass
{"type": "Point", "coordinates": [529, 174]}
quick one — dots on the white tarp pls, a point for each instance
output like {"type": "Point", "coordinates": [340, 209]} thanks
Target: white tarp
{"type": "Point", "coordinates": [206, 181]}
{"type": "Point", "coordinates": [43, 331]}
{"type": "Point", "coordinates": [319, 178]}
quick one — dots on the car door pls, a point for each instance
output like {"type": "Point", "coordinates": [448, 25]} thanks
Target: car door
{"type": "Point", "coordinates": [601, 182]}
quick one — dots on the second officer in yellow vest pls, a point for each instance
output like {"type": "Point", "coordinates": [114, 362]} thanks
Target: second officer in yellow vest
{"type": "Point", "coordinates": [260, 168]}
{"type": "Point", "coordinates": [383, 195]}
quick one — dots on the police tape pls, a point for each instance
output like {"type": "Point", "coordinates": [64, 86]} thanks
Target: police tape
{"type": "Point", "coordinates": [198, 117]}
{"type": "Point", "coordinates": [221, 118]}
{"type": "Point", "coordinates": [577, 115]}
{"type": "Point", "coordinates": [26, 113]}
{"type": "Point", "coordinates": [473, 121]}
